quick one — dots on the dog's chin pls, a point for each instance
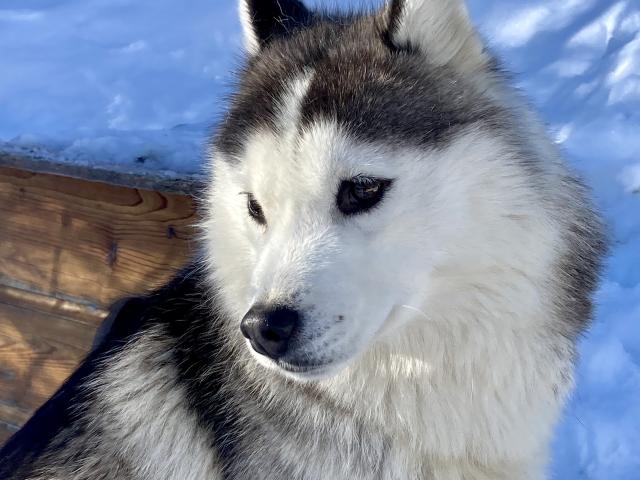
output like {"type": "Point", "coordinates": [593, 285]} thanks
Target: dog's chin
{"type": "Point", "coordinates": [301, 371]}
{"type": "Point", "coordinates": [309, 373]}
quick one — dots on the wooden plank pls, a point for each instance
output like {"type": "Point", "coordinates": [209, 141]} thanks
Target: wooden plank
{"type": "Point", "coordinates": [33, 368]}
{"type": "Point", "coordinates": [82, 313]}
{"type": "Point", "coordinates": [70, 238]}
{"type": "Point", "coordinates": [39, 349]}
{"type": "Point", "coordinates": [28, 324]}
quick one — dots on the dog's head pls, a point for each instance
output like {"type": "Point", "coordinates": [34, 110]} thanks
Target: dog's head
{"type": "Point", "coordinates": [355, 175]}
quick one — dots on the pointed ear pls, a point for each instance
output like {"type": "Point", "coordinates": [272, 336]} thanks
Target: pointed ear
{"type": "Point", "coordinates": [440, 29]}
{"type": "Point", "coordinates": [264, 20]}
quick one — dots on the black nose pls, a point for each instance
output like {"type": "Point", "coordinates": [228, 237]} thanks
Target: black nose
{"type": "Point", "coordinates": [269, 329]}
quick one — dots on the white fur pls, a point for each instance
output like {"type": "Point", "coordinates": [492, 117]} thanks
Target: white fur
{"type": "Point", "coordinates": [443, 31]}
{"type": "Point", "coordinates": [446, 339]}
{"type": "Point", "coordinates": [136, 393]}
{"type": "Point", "coordinates": [139, 416]}
{"type": "Point", "coordinates": [464, 376]}
{"type": "Point", "coordinates": [251, 42]}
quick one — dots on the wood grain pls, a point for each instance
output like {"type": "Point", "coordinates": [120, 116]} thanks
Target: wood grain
{"type": "Point", "coordinates": [95, 242]}
{"type": "Point", "coordinates": [42, 340]}
{"type": "Point", "coordinates": [68, 249]}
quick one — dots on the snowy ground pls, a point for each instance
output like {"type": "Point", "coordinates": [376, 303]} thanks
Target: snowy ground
{"type": "Point", "coordinates": [109, 81]}
{"type": "Point", "coordinates": [579, 60]}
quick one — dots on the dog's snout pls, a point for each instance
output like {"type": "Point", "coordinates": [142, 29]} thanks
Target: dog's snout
{"type": "Point", "coordinates": [269, 329]}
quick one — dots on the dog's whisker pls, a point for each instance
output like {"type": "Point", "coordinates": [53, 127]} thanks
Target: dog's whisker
{"type": "Point", "coordinates": [416, 310]}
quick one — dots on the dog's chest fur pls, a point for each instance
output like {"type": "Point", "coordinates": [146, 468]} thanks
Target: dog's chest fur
{"type": "Point", "coordinates": [394, 420]}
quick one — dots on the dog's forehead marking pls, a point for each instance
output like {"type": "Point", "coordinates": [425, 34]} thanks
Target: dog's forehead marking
{"type": "Point", "coordinates": [288, 158]}
{"type": "Point", "coordinates": [290, 105]}
{"type": "Point", "coordinates": [373, 93]}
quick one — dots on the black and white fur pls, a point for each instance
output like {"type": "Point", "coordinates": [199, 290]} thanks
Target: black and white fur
{"type": "Point", "coordinates": [437, 330]}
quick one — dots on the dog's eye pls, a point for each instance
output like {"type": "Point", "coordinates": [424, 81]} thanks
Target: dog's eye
{"type": "Point", "coordinates": [255, 210]}
{"type": "Point", "coordinates": [361, 194]}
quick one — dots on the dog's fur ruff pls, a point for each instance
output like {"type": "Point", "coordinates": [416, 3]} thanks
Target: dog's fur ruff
{"type": "Point", "coordinates": [438, 329]}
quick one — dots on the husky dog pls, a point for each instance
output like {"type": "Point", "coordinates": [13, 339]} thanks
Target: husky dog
{"type": "Point", "coordinates": [396, 267]}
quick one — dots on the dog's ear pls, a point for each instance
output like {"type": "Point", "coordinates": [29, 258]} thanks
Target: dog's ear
{"type": "Point", "coordinates": [440, 29]}
{"type": "Point", "coordinates": [264, 20]}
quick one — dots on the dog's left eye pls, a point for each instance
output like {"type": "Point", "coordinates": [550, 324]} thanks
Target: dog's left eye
{"type": "Point", "coordinates": [361, 194]}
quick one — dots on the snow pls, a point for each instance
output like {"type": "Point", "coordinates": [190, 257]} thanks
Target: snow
{"type": "Point", "coordinates": [579, 61]}
{"type": "Point", "coordinates": [106, 82]}
{"type": "Point", "coordinates": [111, 82]}
{"type": "Point", "coordinates": [630, 178]}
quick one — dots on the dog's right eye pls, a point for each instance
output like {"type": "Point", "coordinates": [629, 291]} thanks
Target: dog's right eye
{"type": "Point", "coordinates": [255, 210]}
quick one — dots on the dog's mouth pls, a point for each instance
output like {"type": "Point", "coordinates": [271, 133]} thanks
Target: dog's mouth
{"type": "Point", "coordinates": [301, 367]}
{"type": "Point", "coordinates": [307, 370]}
